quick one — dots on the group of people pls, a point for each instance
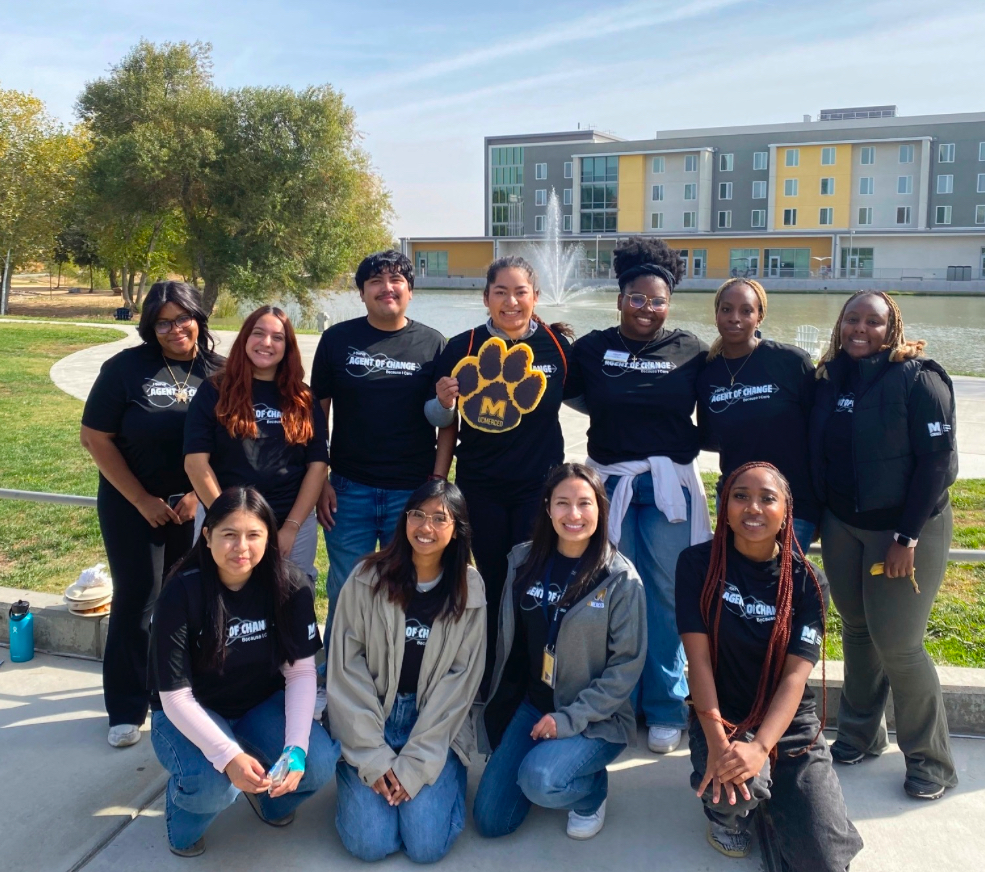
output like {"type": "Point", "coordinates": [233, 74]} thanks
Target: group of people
{"type": "Point", "coordinates": [534, 609]}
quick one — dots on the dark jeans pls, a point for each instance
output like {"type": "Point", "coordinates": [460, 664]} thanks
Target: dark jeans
{"type": "Point", "coordinates": [808, 809]}
{"type": "Point", "coordinates": [139, 557]}
{"type": "Point", "coordinates": [883, 626]}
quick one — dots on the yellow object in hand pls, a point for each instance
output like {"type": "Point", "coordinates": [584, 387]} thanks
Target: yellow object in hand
{"type": "Point", "coordinates": [880, 568]}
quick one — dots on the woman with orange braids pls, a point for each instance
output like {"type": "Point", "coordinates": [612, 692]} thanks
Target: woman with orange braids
{"type": "Point", "coordinates": [256, 423]}
{"type": "Point", "coordinates": [750, 611]}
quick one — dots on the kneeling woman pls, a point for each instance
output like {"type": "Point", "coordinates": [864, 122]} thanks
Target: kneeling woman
{"type": "Point", "coordinates": [572, 639]}
{"type": "Point", "coordinates": [232, 662]}
{"type": "Point", "coordinates": [750, 609]}
{"type": "Point", "coordinates": [406, 658]}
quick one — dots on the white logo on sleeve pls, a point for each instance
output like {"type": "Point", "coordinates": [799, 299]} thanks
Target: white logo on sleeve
{"type": "Point", "coordinates": [810, 635]}
{"type": "Point", "coordinates": [937, 428]}
{"type": "Point", "coordinates": [312, 630]}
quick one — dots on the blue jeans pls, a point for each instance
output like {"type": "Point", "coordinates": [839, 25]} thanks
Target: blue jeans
{"type": "Point", "coordinates": [652, 544]}
{"type": "Point", "coordinates": [365, 516]}
{"type": "Point", "coordinates": [196, 792]}
{"type": "Point", "coordinates": [425, 827]}
{"type": "Point", "coordinates": [553, 773]}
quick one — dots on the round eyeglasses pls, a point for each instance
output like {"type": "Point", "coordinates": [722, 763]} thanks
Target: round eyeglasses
{"type": "Point", "coordinates": [416, 518]}
{"type": "Point", "coordinates": [638, 301]}
{"type": "Point", "coordinates": [165, 326]}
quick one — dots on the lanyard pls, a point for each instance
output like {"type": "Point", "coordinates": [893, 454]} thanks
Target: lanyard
{"type": "Point", "coordinates": [554, 622]}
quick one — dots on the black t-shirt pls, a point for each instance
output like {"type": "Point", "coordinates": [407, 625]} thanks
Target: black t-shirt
{"type": "Point", "coordinates": [639, 406]}
{"type": "Point", "coordinates": [748, 613]}
{"type": "Point", "coordinates": [134, 396]}
{"type": "Point", "coordinates": [520, 458]}
{"type": "Point", "coordinates": [419, 618]}
{"type": "Point", "coordinates": [273, 467]}
{"type": "Point", "coordinates": [251, 672]}
{"type": "Point", "coordinates": [763, 416]}
{"type": "Point", "coordinates": [378, 382]}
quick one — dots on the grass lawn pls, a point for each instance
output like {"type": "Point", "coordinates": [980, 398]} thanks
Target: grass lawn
{"type": "Point", "coordinates": [44, 547]}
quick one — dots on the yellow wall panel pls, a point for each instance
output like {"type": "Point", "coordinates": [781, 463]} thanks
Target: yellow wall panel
{"type": "Point", "coordinates": [464, 258]}
{"type": "Point", "coordinates": [809, 200]}
{"type": "Point", "coordinates": [632, 188]}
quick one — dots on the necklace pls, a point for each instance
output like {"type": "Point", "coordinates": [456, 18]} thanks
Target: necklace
{"type": "Point", "coordinates": [181, 392]}
{"type": "Point", "coordinates": [634, 357]}
{"type": "Point", "coordinates": [744, 362]}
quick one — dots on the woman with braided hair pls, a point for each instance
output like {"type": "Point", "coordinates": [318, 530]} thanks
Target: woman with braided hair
{"type": "Point", "coordinates": [755, 397]}
{"type": "Point", "coordinates": [750, 611]}
{"type": "Point", "coordinates": [883, 454]}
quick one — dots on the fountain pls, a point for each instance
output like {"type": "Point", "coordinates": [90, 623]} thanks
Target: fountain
{"type": "Point", "coordinates": [555, 261]}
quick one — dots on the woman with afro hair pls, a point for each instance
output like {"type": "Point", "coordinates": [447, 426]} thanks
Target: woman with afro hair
{"type": "Point", "coordinates": [637, 383]}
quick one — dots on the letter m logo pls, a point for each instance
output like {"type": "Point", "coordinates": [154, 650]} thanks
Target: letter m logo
{"type": "Point", "coordinates": [493, 408]}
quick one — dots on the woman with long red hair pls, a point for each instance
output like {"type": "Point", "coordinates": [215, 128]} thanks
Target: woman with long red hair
{"type": "Point", "coordinates": [256, 423]}
{"type": "Point", "coordinates": [750, 611]}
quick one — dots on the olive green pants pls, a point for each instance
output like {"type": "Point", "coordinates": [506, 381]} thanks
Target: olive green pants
{"type": "Point", "coordinates": [884, 623]}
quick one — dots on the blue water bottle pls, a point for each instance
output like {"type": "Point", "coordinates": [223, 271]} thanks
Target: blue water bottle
{"type": "Point", "coordinates": [21, 632]}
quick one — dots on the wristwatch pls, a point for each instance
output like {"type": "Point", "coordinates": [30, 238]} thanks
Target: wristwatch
{"type": "Point", "coordinates": [905, 541]}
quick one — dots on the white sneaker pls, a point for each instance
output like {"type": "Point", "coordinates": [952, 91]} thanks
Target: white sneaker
{"type": "Point", "coordinates": [584, 826]}
{"type": "Point", "coordinates": [123, 735]}
{"type": "Point", "coordinates": [321, 703]}
{"type": "Point", "coordinates": [662, 740]}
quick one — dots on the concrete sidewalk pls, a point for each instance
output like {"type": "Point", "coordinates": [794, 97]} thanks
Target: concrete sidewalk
{"type": "Point", "coordinates": [71, 802]}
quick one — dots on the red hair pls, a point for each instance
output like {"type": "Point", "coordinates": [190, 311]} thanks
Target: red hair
{"type": "Point", "coordinates": [235, 383]}
{"type": "Point", "coordinates": [714, 587]}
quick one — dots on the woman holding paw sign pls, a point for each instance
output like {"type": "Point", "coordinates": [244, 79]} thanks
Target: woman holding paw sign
{"type": "Point", "coordinates": [506, 380]}
{"type": "Point", "coordinates": [233, 672]}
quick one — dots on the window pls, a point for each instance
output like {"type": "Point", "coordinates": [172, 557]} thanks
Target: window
{"type": "Point", "coordinates": [658, 193]}
{"type": "Point", "coordinates": [435, 262]}
{"type": "Point", "coordinates": [981, 183]}
{"type": "Point", "coordinates": [690, 220]}
{"type": "Point", "coordinates": [943, 214]}
{"type": "Point", "coordinates": [945, 184]}
{"type": "Point", "coordinates": [540, 171]}
{"type": "Point", "coordinates": [658, 164]}
{"type": "Point", "coordinates": [657, 221]}
{"type": "Point", "coordinates": [743, 262]}
{"type": "Point", "coordinates": [540, 197]}
{"type": "Point", "coordinates": [981, 150]}
{"type": "Point", "coordinates": [980, 214]}
{"type": "Point", "coordinates": [758, 218]}
{"type": "Point", "coordinates": [539, 223]}
{"type": "Point", "coordinates": [567, 196]}
{"type": "Point", "coordinates": [725, 218]}
{"type": "Point", "coordinates": [690, 163]}
{"type": "Point", "coordinates": [506, 171]}
{"type": "Point", "coordinates": [902, 214]}
{"type": "Point", "coordinates": [904, 185]}
{"type": "Point", "coordinates": [691, 191]}
{"type": "Point", "coordinates": [828, 155]}
{"type": "Point", "coordinates": [789, 217]}
{"type": "Point", "coordinates": [826, 216]}
{"type": "Point", "coordinates": [793, 157]}
{"type": "Point", "coordinates": [599, 194]}
{"type": "Point", "coordinates": [906, 154]}
{"type": "Point", "coordinates": [866, 185]}
{"type": "Point", "coordinates": [865, 215]}
{"type": "Point", "coordinates": [567, 169]}
{"type": "Point", "coordinates": [726, 162]}
{"type": "Point", "coordinates": [700, 261]}
{"type": "Point", "coordinates": [760, 160]}
{"type": "Point", "coordinates": [945, 152]}
{"type": "Point", "coordinates": [724, 190]}
{"type": "Point", "coordinates": [792, 263]}
{"type": "Point", "coordinates": [759, 190]}
{"type": "Point", "coordinates": [857, 262]}
{"type": "Point", "coordinates": [566, 223]}
{"type": "Point", "coordinates": [827, 187]}
{"type": "Point", "coordinates": [790, 187]}
{"type": "Point", "coordinates": [867, 155]}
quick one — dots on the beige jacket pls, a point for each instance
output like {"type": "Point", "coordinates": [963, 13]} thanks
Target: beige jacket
{"type": "Point", "coordinates": [365, 656]}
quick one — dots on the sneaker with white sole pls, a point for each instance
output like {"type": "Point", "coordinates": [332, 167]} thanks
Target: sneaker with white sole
{"type": "Point", "coordinates": [662, 740]}
{"type": "Point", "coordinates": [728, 842]}
{"type": "Point", "coordinates": [584, 826]}
{"type": "Point", "coordinates": [123, 735]}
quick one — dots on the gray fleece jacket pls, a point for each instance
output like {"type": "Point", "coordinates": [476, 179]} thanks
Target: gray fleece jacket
{"type": "Point", "coordinates": [600, 651]}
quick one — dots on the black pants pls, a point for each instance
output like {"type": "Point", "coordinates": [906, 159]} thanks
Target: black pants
{"type": "Point", "coordinates": [808, 808]}
{"type": "Point", "coordinates": [139, 557]}
{"type": "Point", "coordinates": [499, 521]}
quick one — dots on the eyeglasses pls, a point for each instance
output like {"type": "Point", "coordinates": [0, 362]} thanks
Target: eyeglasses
{"type": "Point", "coordinates": [638, 301]}
{"type": "Point", "coordinates": [164, 326]}
{"type": "Point", "coordinates": [416, 518]}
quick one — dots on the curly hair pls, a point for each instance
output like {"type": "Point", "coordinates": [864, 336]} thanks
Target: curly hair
{"type": "Point", "coordinates": [902, 349]}
{"type": "Point", "coordinates": [757, 289]}
{"type": "Point", "coordinates": [637, 252]}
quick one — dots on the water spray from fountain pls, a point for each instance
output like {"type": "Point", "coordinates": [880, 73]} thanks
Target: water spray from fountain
{"type": "Point", "coordinates": [556, 262]}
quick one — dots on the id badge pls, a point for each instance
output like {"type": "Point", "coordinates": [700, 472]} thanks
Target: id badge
{"type": "Point", "coordinates": [548, 671]}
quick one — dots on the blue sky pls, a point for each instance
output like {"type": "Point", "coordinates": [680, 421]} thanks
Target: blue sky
{"type": "Point", "coordinates": [429, 80]}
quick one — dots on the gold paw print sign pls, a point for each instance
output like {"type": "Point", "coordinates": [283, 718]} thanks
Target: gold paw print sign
{"type": "Point", "coordinates": [497, 387]}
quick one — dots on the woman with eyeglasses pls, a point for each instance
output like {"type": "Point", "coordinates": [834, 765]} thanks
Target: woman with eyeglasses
{"type": "Point", "coordinates": [637, 383]}
{"type": "Point", "coordinates": [404, 666]}
{"type": "Point", "coordinates": [133, 426]}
